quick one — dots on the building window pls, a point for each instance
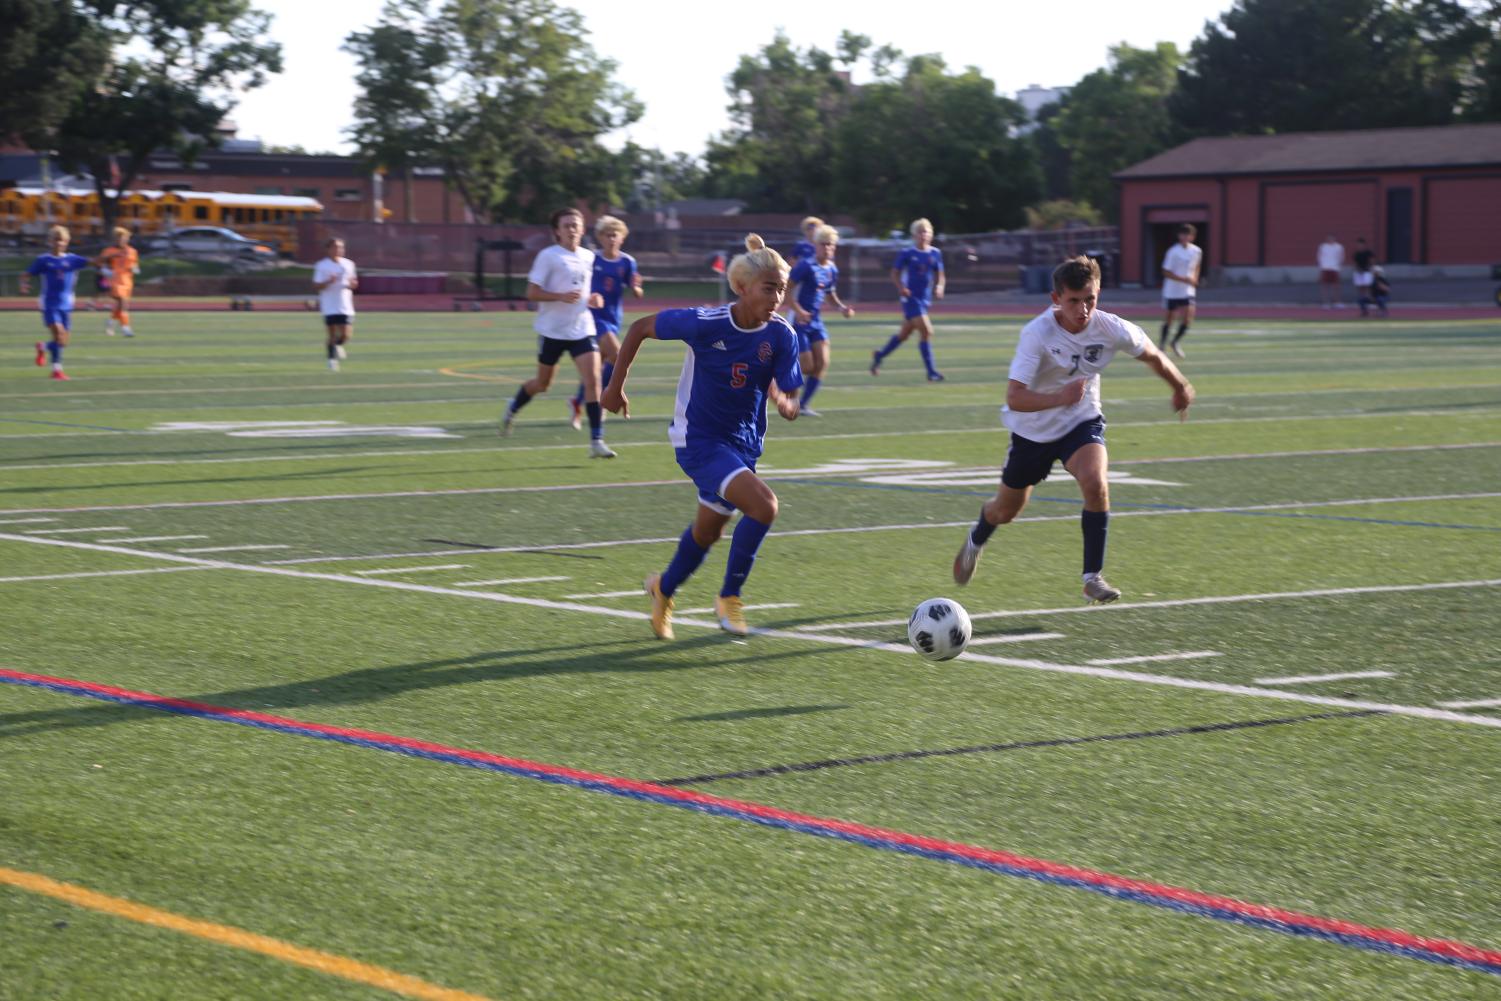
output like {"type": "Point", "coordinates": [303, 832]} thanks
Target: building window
{"type": "Point", "coordinates": [200, 212]}
{"type": "Point", "coordinates": [272, 190]}
{"type": "Point", "coordinates": [306, 192]}
{"type": "Point", "coordinates": [348, 194]}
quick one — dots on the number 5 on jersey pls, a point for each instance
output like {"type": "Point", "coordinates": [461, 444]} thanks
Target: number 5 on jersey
{"type": "Point", "coordinates": [737, 374]}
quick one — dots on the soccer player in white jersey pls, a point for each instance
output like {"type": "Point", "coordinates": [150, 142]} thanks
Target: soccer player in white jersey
{"type": "Point", "coordinates": [1053, 412]}
{"type": "Point", "coordinates": [738, 356]}
{"type": "Point", "coordinates": [559, 282]}
{"type": "Point", "coordinates": [1180, 285]}
{"type": "Point", "coordinates": [335, 279]}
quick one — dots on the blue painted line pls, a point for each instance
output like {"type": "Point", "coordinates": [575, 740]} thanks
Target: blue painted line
{"type": "Point", "coordinates": [62, 424]}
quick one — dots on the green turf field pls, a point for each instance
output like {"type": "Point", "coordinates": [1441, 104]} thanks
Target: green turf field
{"type": "Point", "coordinates": [1296, 705]}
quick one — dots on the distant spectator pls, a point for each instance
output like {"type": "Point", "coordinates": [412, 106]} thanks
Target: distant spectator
{"type": "Point", "coordinates": [1364, 260]}
{"type": "Point", "coordinates": [1180, 286]}
{"type": "Point", "coordinates": [1331, 258]}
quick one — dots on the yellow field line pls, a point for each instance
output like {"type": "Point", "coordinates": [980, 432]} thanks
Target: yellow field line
{"type": "Point", "coordinates": [323, 962]}
{"type": "Point", "coordinates": [456, 372]}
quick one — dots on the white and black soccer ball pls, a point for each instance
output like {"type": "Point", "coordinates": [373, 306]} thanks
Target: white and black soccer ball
{"type": "Point", "coordinates": [939, 629]}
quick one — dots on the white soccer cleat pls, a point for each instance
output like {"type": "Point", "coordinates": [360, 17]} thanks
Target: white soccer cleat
{"type": "Point", "coordinates": [339, 352]}
{"type": "Point", "coordinates": [964, 563]}
{"type": "Point", "coordinates": [1177, 351]}
{"type": "Point", "coordinates": [1098, 592]}
{"type": "Point", "coordinates": [127, 332]}
{"type": "Point", "coordinates": [333, 364]}
{"type": "Point", "coordinates": [506, 422]}
{"type": "Point", "coordinates": [809, 412]}
{"type": "Point", "coordinates": [599, 450]}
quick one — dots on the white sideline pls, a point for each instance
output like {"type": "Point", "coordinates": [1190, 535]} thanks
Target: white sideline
{"type": "Point", "coordinates": [231, 549]}
{"type": "Point", "coordinates": [385, 570]}
{"type": "Point", "coordinates": [1019, 638]}
{"type": "Point", "coordinates": [1150, 658]}
{"type": "Point", "coordinates": [100, 573]}
{"type": "Point", "coordinates": [507, 580]}
{"type": "Point", "coordinates": [156, 538]}
{"type": "Point", "coordinates": [1420, 712]}
{"type": "Point", "coordinates": [1312, 679]}
{"type": "Point", "coordinates": [1478, 704]}
{"type": "Point", "coordinates": [75, 531]}
{"type": "Point", "coordinates": [24, 521]}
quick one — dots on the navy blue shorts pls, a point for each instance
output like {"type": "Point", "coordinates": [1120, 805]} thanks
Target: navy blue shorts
{"type": "Point", "coordinates": [550, 349]}
{"type": "Point", "coordinates": [711, 468]}
{"type": "Point", "coordinates": [336, 319]}
{"type": "Point", "coordinates": [1029, 462]}
{"type": "Point", "coordinates": [1177, 303]}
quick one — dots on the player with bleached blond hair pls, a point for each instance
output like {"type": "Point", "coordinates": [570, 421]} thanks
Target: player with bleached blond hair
{"type": "Point", "coordinates": [814, 279]}
{"type": "Point", "coordinates": [738, 356]}
{"type": "Point", "coordinates": [58, 270]}
{"type": "Point", "coordinates": [614, 272]}
{"type": "Point", "coordinates": [807, 246]}
{"type": "Point", "coordinates": [918, 275]}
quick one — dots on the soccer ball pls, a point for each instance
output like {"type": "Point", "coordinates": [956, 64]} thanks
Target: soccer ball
{"type": "Point", "coordinates": [939, 629]}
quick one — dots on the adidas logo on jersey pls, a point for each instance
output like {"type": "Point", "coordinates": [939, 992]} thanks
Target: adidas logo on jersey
{"type": "Point", "coordinates": [719, 346]}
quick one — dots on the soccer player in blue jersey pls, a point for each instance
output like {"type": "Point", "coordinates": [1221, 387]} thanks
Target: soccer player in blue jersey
{"type": "Point", "coordinates": [738, 356]}
{"type": "Point", "coordinates": [614, 272]}
{"type": "Point", "coordinates": [815, 278]}
{"type": "Point", "coordinates": [918, 274]}
{"type": "Point", "coordinates": [808, 245]}
{"type": "Point", "coordinates": [1053, 412]}
{"type": "Point", "coordinates": [59, 273]}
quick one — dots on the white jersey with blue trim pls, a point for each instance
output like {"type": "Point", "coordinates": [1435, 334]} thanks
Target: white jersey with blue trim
{"type": "Point", "coordinates": [1049, 358]}
{"type": "Point", "coordinates": [726, 371]}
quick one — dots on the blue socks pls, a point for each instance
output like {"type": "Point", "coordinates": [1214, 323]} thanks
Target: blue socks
{"type": "Point", "coordinates": [521, 400]}
{"type": "Point", "coordinates": [982, 531]}
{"type": "Point", "coordinates": [596, 420]}
{"type": "Point", "coordinates": [925, 348]}
{"type": "Point", "coordinates": [891, 346]}
{"type": "Point", "coordinates": [1094, 524]}
{"type": "Point", "coordinates": [686, 560]}
{"type": "Point", "coordinates": [744, 544]}
{"type": "Point", "coordinates": [809, 388]}
{"type": "Point", "coordinates": [55, 351]}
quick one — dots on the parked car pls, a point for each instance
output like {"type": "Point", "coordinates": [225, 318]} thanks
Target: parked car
{"type": "Point", "coordinates": [211, 241]}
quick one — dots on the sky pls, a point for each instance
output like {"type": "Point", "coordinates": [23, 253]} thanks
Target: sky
{"type": "Point", "coordinates": [675, 54]}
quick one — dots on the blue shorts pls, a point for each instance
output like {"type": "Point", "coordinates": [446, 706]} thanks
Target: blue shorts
{"type": "Point", "coordinates": [1029, 462]}
{"type": "Point", "coordinates": [56, 314]}
{"type": "Point", "coordinates": [915, 306]}
{"type": "Point", "coordinates": [711, 468]}
{"type": "Point", "coordinates": [603, 326]}
{"type": "Point", "coordinates": [807, 333]}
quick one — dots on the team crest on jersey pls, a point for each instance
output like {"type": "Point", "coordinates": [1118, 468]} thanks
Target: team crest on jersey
{"type": "Point", "coordinates": [1092, 352]}
{"type": "Point", "coordinates": [763, 351]}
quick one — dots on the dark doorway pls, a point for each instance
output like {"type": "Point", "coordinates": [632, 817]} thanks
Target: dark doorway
{"type": "Point", "coordinates": [1398, 225]}
{"type": "Point", "coordinates": [1162, 235]}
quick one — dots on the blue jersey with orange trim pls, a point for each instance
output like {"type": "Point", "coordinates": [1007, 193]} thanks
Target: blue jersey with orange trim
{"type": "Point", "coordinates": [59, 274]}
{"type": "Point", "coordinates": [918, 268]}
{"type": "Point", "coordinates": [611, 279]}
{"type": "Point", "coordinates": [721, 393]}
{"type": "Point", "coordinates": [813, 281]}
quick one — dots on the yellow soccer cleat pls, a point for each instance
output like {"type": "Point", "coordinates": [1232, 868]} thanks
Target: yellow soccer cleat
{"type": "Point", "coordinates": [661, 608]}
{"type": "Point", "coordinates": [731, 614]}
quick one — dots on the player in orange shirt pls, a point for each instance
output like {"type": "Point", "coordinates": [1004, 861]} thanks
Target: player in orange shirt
{"type": "Point", "coordinates": [123, 263]}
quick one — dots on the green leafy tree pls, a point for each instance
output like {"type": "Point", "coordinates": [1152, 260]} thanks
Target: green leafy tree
{"type": "Point", "coordinates": [1310, 65]}
{"type": "Point", "coordinates": [1117, 116]}
{"type": "Point", "coordinates": [506, 95]}
{"type": "Point", "coordinates": [1062, 213]}
{"type": "Point", "coordinates": [785, 106]}
{"type": "Point", "coordinates": [50, 53]}
{"type": "Point", "coordinates": [936, 144]}
{"type": "Point", "coordinates": [170, 79]}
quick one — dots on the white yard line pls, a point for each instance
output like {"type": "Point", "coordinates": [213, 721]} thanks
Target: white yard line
{"type": "Point", "coordinates": [1421, 712]}
{"type": "Point", "coordinates": [1187, 655]}
{"type": "Point", "coordinates": [1478, 704]}
{"type": "Point", "coordinates": [1018, 638]}
{"type": "Point", "coordinates": [1332, 592]}
{"type": "Point", "coordinates": [385, 570]}
{"type": "Point", "coordinates": [231, 549]}
{"type": "Point", "coordinates": [76, 531]}
{"type": "Point", "coordinates": [506, 580]}
{"type": "Point", "coordinates": [24, 521]}
{"type": "Point", "coordinates": [1313, 679]}
{"type": "Point", "coordinates": [607, 594]}
{"type": "Point", "coordinates": [156, 538]}
{"type": "Point", "coordinates": [746, 608]}
{"type": "Point", "coordinates": [100, 573]}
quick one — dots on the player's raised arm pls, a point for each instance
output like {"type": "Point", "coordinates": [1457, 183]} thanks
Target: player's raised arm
{"type": "Point", "coordinates": [613, 398]}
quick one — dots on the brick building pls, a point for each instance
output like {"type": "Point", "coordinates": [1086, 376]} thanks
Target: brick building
{"type": "Point", "coordinates": [1427, 200]}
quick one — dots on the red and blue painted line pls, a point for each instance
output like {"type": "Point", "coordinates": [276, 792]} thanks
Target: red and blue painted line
{"type": "Point", "coordinates": [1385, 940]}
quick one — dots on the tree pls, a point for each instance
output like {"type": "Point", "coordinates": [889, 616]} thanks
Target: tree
{"type": "Point", "coordinates": [49, 53]}
{"type": "Point", "coordinates": [1115, 117]}
{"type": "Point", "coordinates": [785, 105]}
{"type": "Point", "coordinates": [1311, 65]}
{"type": "Point", "coordinates": [506, 95]}
{"type": "Point", "coordinates": [167, 92]}
{"type": "Point", "coordinates": [936, 144]}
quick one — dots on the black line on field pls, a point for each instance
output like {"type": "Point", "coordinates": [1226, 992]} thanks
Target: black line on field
{"type": "Point", "coordinates": [461, 545]}
{"type": "Point", "coordinates": [1020, 745]}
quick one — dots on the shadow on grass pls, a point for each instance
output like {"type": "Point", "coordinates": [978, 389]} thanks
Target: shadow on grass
{"type": "Point", "coordinates": [376, 684]}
